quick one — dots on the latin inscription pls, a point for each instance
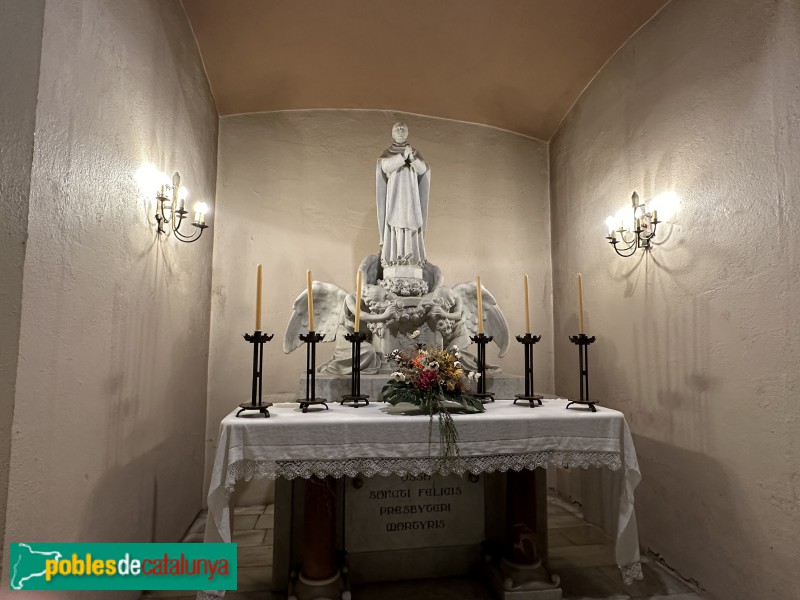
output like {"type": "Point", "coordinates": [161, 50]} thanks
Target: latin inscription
{"type": "Point", "coordinates": [413, 511]}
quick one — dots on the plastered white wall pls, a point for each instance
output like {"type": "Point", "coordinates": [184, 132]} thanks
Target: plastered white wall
{"type": "Point", "coordinates": [296, 190]}
{"type": "Point", "coordinates": [697, 341]}
{"type": "Point", "coordinates": [20, 44]}
{"type": "Point", "coordinates": [111, 383]}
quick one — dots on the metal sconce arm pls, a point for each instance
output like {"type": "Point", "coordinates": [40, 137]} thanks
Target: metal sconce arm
{"type": "Point", "coordinates": [176, 206]}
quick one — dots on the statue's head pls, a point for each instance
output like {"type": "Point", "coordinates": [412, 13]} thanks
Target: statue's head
{"type": "Point", "coordinates": [373, 293]}
{"type": "Point", "coordinates": [400, 132]}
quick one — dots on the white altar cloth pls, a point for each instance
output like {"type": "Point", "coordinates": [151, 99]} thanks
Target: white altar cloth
{"type": "Point", "coordinates": [377, 440]}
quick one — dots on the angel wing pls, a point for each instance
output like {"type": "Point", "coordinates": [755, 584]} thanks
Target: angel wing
{"type": "Point", "coordinates": [494, 322]}
{"type": "Point", "coordinates": [432, 275]}
{"type": "Point", "coordinates": [370, 267]}
{"type": "Point", "coordinates": [328, 307]}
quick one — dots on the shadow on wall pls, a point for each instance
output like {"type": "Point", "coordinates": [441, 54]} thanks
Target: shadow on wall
{"type": "Point", "coordinates": [150, 507]}
{"type": "Point", "coordinates": [675, 396]}
{"type": "Point", "coordinates": [709, 492]}
{"type": "Point", "coordinates": [150, 487]}
{"type": "Point", "coordinates": [656, 361]}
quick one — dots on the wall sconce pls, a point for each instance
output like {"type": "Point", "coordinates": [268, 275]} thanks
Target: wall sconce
{"type": "Point", "coordinates": [627, 236]}
{"type": "Point", "coordinates": [171, 210]}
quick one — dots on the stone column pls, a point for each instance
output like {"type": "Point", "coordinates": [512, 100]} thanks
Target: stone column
{"type": "Point", "coordinates": [521, 574]}
{"type": "Point", "coordinates": [319, 529]}
{"type": "Point", "coordinates": [522, 545]}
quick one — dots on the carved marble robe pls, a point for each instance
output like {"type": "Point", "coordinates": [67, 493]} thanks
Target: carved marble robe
{"type": "Point", "coordinates": [402, 189]}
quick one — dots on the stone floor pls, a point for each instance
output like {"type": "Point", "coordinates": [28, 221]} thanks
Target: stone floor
{"type": "Point", "coordinates": [579, 552]}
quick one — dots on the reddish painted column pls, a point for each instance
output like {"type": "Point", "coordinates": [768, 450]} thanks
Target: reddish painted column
{"type": "Point", "coordinates": [522, 545]}
{"type": "Point", "coordinates": [319, 530]}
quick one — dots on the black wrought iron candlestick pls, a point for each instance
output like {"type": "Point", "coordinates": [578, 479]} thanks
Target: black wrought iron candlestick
{"type": "Point", "coordinates": [257, 339]}
{"type": "Point", "coordinates": [528, 341]}
{"type": "Point", "coordinates": [355, 397]}
{"type": "Point", "coordinates": [482, 394]}
{"type": "Point", "coordinates": [583, 341]}
{"type": "Point", "coordinates": [311, 339]}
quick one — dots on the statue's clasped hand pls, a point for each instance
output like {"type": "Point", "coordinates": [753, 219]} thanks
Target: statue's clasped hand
{"type": "Point", "coordinates": [391, 313]}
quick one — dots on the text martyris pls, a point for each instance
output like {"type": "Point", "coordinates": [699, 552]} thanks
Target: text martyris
{"type": "Point", "coordinates": [415, 525]}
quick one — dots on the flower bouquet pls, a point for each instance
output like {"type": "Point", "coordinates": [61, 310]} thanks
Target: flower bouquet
{"type": "Point", "coordinates": [434, 380]}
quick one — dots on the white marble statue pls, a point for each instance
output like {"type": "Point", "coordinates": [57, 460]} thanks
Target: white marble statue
{"type": "Point", "coordinates": [404, 300]}
{"type": "Point", "coordinates": [402, 190]}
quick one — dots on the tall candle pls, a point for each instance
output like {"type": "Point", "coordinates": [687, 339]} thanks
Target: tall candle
{"type": "Point", "coordinates": [258, 299]}
{"type": "Point", "coordinates": [310, 302]}
{"type": "Point", "coordinates": [358, 301]}
{"type": "Point", "coordinates": [527, 308]}
{"type": "Point", "coordinates": [480, 305]}
{"type": "Point", "coordinates": [580, 302]}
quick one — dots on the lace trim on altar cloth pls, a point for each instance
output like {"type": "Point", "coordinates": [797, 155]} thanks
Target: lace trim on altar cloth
{"type": "Point", "coordinates": [631, 573]}
{"type": "Point", "coordinates": [247, 469]}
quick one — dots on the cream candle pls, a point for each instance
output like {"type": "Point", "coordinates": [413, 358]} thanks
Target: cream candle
{"type": "Point", "coordinates": [480, 305]}
{"type": "Point", "coordinates": [310, 302]}
{"type": "Point", "coordinates": [527, 308]}
{"type": "Point", "coordinates": [357, 325]}
{"type": "Point", "coordinates": [580, 302]}
{"type": "Point", "coordinates": [258, 298]}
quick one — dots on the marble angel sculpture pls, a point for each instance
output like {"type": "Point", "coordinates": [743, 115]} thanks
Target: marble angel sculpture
{"type": "Point", "coordinates": [334, 316]}
{"type": "Point", "coordinates": [402, 190]}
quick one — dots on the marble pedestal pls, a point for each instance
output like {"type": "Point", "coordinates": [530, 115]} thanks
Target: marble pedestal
{"type": "Point", "coordinates": [332, 387]}
{"type": "Point", "coordinates": [504, 579]}
{"type": "Point", "coordinates": [404, 280]}
{"type": "Point", "coordinates": [515, 569]}
{"type": "Point", "coordinates": [336, 587]}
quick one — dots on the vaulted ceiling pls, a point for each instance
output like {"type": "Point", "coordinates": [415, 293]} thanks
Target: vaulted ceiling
{"type": "Point", "coordinates": [514, 64]}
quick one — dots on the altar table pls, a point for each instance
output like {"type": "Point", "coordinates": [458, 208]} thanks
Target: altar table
{"type": "Point", "coordinates": [379, 439]}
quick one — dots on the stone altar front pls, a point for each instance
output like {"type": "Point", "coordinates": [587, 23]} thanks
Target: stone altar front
{"type": "Point", "coordinates": [398, 526]}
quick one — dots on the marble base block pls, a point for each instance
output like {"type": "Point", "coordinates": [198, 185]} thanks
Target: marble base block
{"type": "Point", "coordinates": [510, 583]}
{"type": "Point", "coordinates": [407, 271]}
{"type": "Point", "coordinates": [503, 386]}
{"type": "Point", "coordinates": [333, 387]}
{"type": "Point", "coordinates": [336, 588]}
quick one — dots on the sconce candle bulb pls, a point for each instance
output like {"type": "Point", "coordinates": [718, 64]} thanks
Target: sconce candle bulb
{"type": "Point", "coordinates": [200, 210]}
{"type": "Point", "coordinates": [183, 193]}
{"type": "Point", "coordinates": [611, 225]}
